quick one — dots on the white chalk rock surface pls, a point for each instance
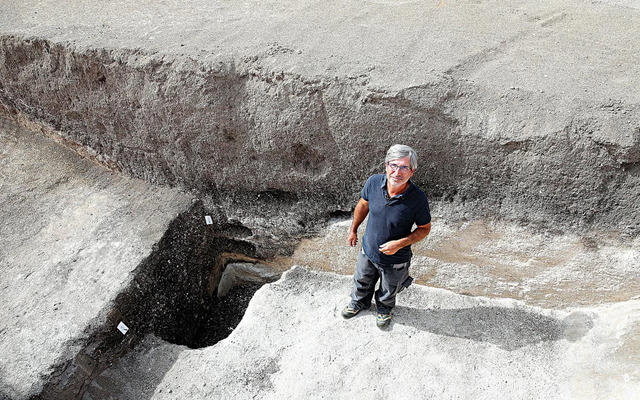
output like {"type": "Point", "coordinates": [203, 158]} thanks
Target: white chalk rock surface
{"type": "Point", "coordinates": [293, 344]}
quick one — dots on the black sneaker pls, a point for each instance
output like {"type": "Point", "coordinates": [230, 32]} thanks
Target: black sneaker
{"type": "Point", "coordinates": [350, 312]}
{"type": "Point", "coordinates": [383, 320]}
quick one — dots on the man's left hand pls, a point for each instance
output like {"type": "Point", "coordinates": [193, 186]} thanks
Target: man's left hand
{"type": "Point", "coordinates": [390, 247]}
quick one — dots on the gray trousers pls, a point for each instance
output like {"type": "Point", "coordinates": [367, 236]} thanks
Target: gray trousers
{"type": "Point", "coordinates": [393, 278]}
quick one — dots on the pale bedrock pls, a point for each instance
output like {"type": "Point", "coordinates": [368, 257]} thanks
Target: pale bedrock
{"type": "Point", "coordinates": [278, 111]}
{"type": "Point", "coordinates": [293, 343]}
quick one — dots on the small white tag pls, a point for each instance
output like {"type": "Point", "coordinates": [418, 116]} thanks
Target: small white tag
{"type": "Point", "coordinates": [208, 219]}
{"type": "Point", "coordinates": [123, 328]}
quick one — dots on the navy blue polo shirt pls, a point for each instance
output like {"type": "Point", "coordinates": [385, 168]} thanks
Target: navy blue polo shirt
{"type": "Point", "coordinates": [391, 218]}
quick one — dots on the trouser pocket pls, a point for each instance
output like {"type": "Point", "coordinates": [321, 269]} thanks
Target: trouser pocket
{"type": "Point", "coordinates": [401, 266]}
{"type": "Point", "coordinates": [405, 284]}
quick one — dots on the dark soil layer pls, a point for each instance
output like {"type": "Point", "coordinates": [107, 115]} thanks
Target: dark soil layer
{"type": "Point", "coordinates": [280, 151]}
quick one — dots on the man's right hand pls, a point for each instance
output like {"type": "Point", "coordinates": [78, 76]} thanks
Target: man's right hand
{"type": "Point", "coordinates": [353, 239]}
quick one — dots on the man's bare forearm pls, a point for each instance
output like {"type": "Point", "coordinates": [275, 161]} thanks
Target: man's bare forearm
{"type": "Point", "coordinates": [391, 247]}
{"type": "Point", "coordinates": [417, 235]}
{"type": "Point", "coordinates": [359, 214]}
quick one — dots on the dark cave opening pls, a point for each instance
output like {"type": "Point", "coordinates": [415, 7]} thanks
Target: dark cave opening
{"type": "Point", "coordinates": [174, 293]}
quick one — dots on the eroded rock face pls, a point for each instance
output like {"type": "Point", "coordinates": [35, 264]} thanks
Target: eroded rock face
{"type": "Point", "coordinates": [278, 150]}
{"type": "Point", "coordinates": [236, 274]}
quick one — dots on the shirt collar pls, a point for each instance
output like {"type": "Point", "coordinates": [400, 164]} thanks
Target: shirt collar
{"type": "Point", "coordinates": [399, 196]}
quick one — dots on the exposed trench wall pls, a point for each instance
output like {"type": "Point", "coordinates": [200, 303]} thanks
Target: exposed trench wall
{"type": "Point", "coordinates": [277, 151]}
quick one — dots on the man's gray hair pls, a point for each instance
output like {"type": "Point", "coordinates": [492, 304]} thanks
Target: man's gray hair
{"type": "Point", "coordinates": [400, 151]}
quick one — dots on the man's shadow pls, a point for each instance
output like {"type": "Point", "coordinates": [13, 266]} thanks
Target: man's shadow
{"type": "Point", "coordinates": [507, 328]}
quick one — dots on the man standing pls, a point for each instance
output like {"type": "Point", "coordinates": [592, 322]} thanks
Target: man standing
{"type": "Point", "coordinates": [394, 204]}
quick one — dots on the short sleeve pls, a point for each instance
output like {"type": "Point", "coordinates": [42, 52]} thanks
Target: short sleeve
{"type": "Point", "coordinates": [423, 214]}
{"type": "Point", "coordinates": [366, 190]}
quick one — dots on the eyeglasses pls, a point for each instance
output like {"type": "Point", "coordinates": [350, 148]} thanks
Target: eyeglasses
{"type": "Point", "coordinates": [402, 168]}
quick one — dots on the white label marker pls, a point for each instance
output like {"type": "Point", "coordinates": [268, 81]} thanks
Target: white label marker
{"type": "Point", "coordinates": [123, 328]}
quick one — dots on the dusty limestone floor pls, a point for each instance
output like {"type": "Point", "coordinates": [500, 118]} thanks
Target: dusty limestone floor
{"type": "Point", "coordinates": [293, 344]}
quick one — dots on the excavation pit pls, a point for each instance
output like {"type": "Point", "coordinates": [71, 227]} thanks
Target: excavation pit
{"type": "Point", "coordinates": [528, 126]}
{"type": "Point", "coordinates": [174, 295]}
